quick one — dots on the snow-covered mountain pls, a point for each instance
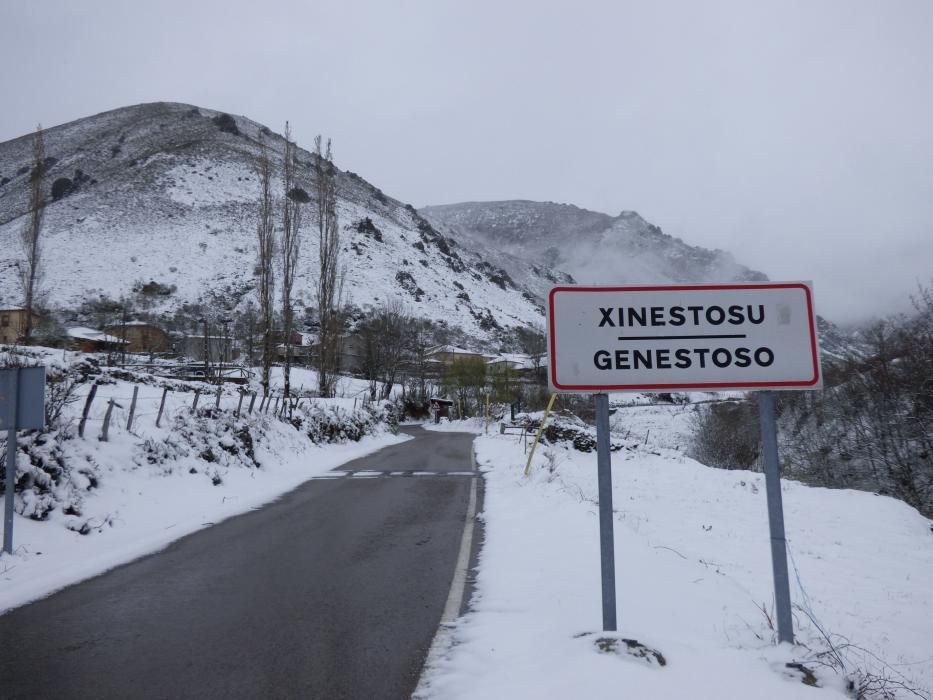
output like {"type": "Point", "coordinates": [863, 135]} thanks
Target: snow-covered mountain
{"type": "Point", "coordinates": [591, 246]}
{"type": "Point", "coordinates": [158, 202]}
{"type": "Point", "coordinates": [597, 248]}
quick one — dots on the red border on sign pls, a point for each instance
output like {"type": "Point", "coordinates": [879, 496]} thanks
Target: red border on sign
{"type": "Point", "coordinates": [552, 360]}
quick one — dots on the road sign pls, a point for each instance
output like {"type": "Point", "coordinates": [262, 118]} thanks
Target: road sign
{"type": "Point", "coordinates": [25, 399]}
{"type": "Point", "coordinates": [22, 406]}
{"type": "Point", "coordinates": [678, 337]}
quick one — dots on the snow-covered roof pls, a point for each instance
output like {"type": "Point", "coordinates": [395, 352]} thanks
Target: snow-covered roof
{"type": "Point", "coordinates": [516, 360]}
{"type": "Point", "coordinates": [83, 333]}
{"type": "Point", "coordinates": [451, 349]}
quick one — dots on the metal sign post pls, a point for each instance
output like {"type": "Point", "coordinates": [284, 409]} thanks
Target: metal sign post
{"type": "Point", "coordinates": [10, 482]}
{"type": "Point", "coordinates": [22, 406]}
{"type": "Point", "coordinates": [775, 517]}
{"type": "Point", "coordinates": [607, 555]}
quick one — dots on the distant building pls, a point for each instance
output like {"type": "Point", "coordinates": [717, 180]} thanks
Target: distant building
{"type": "Point", "coordinates": [13, 324]}
{"type": "Point", "coordinates": [142, 337]}
{"type": "Point", "coordinates": [448, 354]}
{"type": "Point", "coordinates": [516, 362]}
{"type": "Point", "coordinates": [93, 340]}
{"type": "Point", "coordinates": [192, 347]}
{"type": "Point", "coordinates": [300, 353]}
{"type": "Point", "coordinates": [440, 408]}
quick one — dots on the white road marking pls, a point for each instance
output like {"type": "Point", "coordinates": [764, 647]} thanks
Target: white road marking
{"type": "Point", "coordinates": [373, 474]}
{"type": "Point", "coordinates": [443, 637]}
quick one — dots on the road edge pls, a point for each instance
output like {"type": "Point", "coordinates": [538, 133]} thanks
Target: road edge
{"type": "Point", "coordinates": [443, 638]}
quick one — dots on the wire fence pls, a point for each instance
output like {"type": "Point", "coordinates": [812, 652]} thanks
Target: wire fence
{"type": "Point", "coordinates": [103, 412]}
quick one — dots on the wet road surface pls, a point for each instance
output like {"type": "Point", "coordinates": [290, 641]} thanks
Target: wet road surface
{"type": "Point", "coordinates": [334, 591]}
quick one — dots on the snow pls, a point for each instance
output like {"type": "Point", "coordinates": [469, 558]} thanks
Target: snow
{"type": "Point", "coordinates": [516, 361]}
{"type": "Point", "coordinates": [174, 202]}
{"type": "Point", "coordinates": [82, 333]}
{"type": "Point", "coordinates": [350, 391]}
{"type": "Point", "coordinates": [691, 547]}
{"type": "Point", "coordinates": [146, 494]}
{"type": "Point", "coordinates": [207, 181]}
{"type": "Point", "coordinates": [693, 570]}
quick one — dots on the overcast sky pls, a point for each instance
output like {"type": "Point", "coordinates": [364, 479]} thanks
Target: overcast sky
{"type": "Point", "coordinates": [796, 135]}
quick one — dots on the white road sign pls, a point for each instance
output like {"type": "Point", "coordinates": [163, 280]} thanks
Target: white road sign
{"type": "Point", "coordinates": [668, 338]}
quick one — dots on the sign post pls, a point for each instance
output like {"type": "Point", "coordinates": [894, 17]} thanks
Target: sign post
{"type": "Point", "coordinates": [748, 336]}
{"type": "Point", "coordinates": [22, 406]}
{"type": "Point", "coordinates": [607, 551]}
{"type": "Point", "coordinates": [775, 517]}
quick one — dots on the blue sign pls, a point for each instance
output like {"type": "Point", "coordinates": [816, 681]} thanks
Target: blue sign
{"type": "Point", "coordinates": [22, 395]}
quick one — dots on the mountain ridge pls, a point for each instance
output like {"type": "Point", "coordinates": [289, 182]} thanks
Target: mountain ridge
{"type": "Point", "coordinates": [602, 247]}
{"type": "Point", "coordinates": [166, 193]}
{"type": "Point", "coordinates": [156, 203]}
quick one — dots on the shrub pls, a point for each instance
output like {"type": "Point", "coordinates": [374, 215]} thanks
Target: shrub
{"type": "Point", "coordinates": [154, 289]}
{"type": "Point", "coordinates": [226, 123]}
{"type": "Point", "coordinates": [725, 435]}
{"type": "Point", "coordinates": [368, 228]}
{"type": "Point", "coordinates": [299, 195]}
{"type": "Point", "coordinates": [62, 187]}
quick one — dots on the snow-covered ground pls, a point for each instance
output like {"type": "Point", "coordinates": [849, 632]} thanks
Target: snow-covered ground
{"type": "Point", "coordinates": [144, 488]}
{"type": "Point", "coordinates": [693, 579]}
{"type": "Point", "coordinates": [692, 549]}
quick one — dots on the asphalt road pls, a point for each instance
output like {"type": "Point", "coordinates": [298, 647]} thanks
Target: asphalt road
{"type": "Point", "coordinates": [334, 591]}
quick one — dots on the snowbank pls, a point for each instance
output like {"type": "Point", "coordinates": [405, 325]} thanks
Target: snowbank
{"type": "Point", "coordinates": [693, 580]}
{"type": "Point", "coordinates": [84, 505]}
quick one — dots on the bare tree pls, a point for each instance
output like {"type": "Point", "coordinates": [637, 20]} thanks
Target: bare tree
{"type": "Point", "coordinates": [265, 270]}
{"type": "Point", "coordinates": [418, 345]}
{"type": "Point", "coordinates": [373, 360]}
{"type": "Point", "coordinates": [30, 267]}
{"type": "Point", "coordinates": [291, 239]}
{"type": "Point", "coordinates": [329, 278]}
{"type": "Point", "coordinates": [533, 342]}
{"type": "Point", "coordinates": [384, 339]}
{"type": "Point", "coordinates": [392, 323]}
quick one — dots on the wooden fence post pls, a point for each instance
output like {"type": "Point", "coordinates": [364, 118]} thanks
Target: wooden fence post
{"type": "Point", "coordinates": [194, 405]}
{"type": "Point", "coordinates": [239, 404]}
{"type": "Point", "coordinates": [217, 401]}
{"type": "Point", "coordinates": [129, 420]}
{"type": "Point", "coordinates": [252, 400]}
{"type": "Point", "coordinates": [161, 406]}
{"type": "Point", "coordinates": [87, 409]}
{"type": "Point", "coordinates": [105, 430]}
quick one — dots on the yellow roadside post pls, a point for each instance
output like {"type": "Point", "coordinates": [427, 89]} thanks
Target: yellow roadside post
{"type": "Point", "coordinates": [547, 412]}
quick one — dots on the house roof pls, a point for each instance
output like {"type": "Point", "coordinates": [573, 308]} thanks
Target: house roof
{"type": "Point", "coordinates": [516, 360]}
{"type": "Point", "coordinates": [133, 323]}
{"type": "Point", "coordinates": [451, 349]}
{"type": "Point", "coordinates": [83, 333]}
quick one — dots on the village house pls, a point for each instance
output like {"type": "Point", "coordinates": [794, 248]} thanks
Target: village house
{"type": "Point", "coordinates": [13, 324]}
{"type": "Point", "coordinates": [351, 355]}
{"type": "Point", "coordinates": [193, 346]}
{"type": "Point", "coordinates": [448, 354]}
{"type": "Point", "coordinates": [516, 362]}
{"type": "Point", "coordinates": [300, 352]}
{"type": "Point", "coordinates": [142, 337]}
{"type": "Point", "coordinates": [92, 340]}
